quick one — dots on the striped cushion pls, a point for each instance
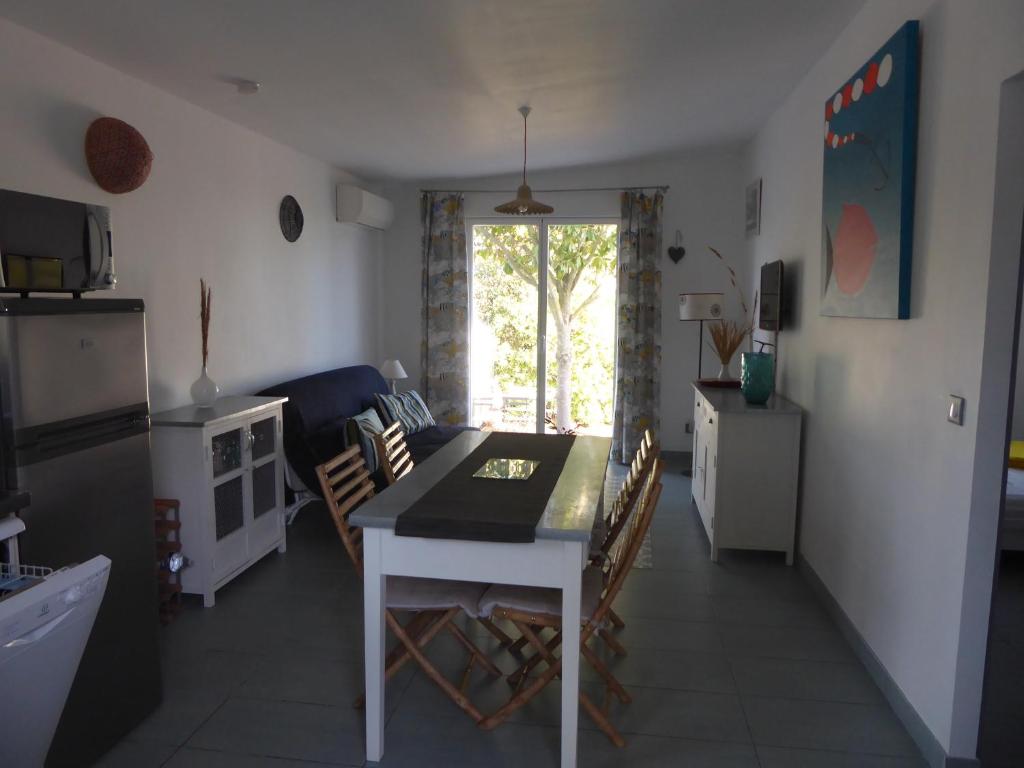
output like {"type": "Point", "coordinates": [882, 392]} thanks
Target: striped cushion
{"type": "Point", "coordinates": [408, 409]}
{"type": "Point", "coordinates": [367, 425]}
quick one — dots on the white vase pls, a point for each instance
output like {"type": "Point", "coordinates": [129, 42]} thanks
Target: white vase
{"type": "Point", "coordinates": [724, 374]}
{"type": "Point", "coordinates": [204, 390]}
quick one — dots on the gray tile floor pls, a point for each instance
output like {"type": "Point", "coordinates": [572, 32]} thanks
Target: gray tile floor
{"type": "Point", "coordinates": [731, 665]}
{"type": "Point", "coordinates": [1001, 739]}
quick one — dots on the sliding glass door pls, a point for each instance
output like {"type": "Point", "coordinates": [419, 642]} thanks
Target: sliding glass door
{"type": "Point", "coordinates": [542, 346]}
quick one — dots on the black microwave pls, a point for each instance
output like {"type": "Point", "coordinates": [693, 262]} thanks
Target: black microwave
{"type": "Point", "coordinates": [47, 244]}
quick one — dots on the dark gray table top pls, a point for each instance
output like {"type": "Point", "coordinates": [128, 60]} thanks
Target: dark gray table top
{"type": "Point", "coordinates": [571, 509]}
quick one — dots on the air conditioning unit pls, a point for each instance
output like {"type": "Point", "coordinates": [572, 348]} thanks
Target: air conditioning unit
{"type": "Point", "coordinates": [357, 206]}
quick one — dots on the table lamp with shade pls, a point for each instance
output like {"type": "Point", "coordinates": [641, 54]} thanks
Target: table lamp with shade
{"type": "Point", "coordinates": [392, 370]}
{"type": "Point", "coordinates": [700, 307]}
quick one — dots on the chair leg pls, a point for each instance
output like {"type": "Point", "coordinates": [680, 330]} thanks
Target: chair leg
{"type": "Point", "coordinates": [554, 668]}
{"type": "Point", "coordinates": [615, 619]}
{"type": "Point", "coordinates": [517, 701]}
{"type": "Point", "coordinates": [613, 684]}
{"type": "Point", "coordinates": [495, 630]}
{"type": "Point", "coordinates": [474, 651]}
{"type": "Point", "coordinates": [415, 628]}
{"type": "Point", "coordinates": [617, 648]}
{"type": "Point", "coordinates": [400, 655]}
{"type": "Point", "coordinates": [431, 671]}
{"type": "Point", "coordinates": [516, 678]}
{"type": "Point", "coordinates": [602, 722]}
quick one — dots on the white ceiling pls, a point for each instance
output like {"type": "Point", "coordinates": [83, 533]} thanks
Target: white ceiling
{"type": "Point", "coordinates": [429, 88]}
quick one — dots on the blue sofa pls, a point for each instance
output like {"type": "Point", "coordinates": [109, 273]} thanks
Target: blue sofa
{"type": "Point", "coordinates": [319, 406]}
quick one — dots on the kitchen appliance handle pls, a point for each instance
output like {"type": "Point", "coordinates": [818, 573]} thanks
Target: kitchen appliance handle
{"type": "Point", "coordinates": [40, 632]}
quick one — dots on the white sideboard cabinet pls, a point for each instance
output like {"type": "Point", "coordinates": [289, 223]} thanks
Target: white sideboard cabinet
{"type": "Point", "coordinates": [226, 466]}
{"type": "Point", "coordinates": [746, 461]}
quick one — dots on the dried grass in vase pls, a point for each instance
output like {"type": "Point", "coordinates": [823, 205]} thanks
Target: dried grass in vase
{"type": "Point", "coordinates": [205, 296]}
{"type": "Point", "coordinates": [727, 336]}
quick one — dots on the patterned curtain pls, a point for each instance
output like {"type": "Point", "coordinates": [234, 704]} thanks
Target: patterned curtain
{"type": "Point", "coordinates": [444, 354]}
{"type": "Point", "coordinates": [638, 358]}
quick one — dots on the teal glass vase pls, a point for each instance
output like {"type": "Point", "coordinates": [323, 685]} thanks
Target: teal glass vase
{"type": "Point", "coordinates": [757, 376]}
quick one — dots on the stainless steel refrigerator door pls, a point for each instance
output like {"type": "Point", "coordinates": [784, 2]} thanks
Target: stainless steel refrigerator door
{"type": "Point", "coordinates": [65, 366]}
{"type": "Point", "coordinates": [92, 502]}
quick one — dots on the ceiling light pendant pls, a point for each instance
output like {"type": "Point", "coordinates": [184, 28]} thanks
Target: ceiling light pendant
{"type": "Point", "coordinates": [248, 87]}
{"type": "Point", "coordinates": [524, 204]}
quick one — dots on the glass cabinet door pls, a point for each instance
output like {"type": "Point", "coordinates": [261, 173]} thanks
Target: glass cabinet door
{"type": "Point", "coordinates": [263, 434]}
{"type": "Point", "coordinates": [228, 507]}
{"type": "Point", "coordinates": [227, 452]}
{"type": "Point", "coordinates": [264, 488]}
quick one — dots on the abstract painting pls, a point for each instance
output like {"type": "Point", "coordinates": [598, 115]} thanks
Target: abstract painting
{"type": "Point", "coordinates": [868, 195]}
{"type": "Point", "coordinates": [753, 206]}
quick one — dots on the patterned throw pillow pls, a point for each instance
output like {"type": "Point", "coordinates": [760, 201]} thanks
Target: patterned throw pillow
{"type": "Point", "coordinates": [367, 424]}
{"type": "Point", "coordinates": [408, 409]}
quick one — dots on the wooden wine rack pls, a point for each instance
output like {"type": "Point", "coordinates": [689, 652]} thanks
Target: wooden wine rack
{"type": "Point", "coordinates": [167, 522]}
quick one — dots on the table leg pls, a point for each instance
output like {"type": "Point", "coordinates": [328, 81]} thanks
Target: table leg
{"type": "Point", "coordinates": [374, 602]}
{"type": "Point", "coordinates": [571, 596]}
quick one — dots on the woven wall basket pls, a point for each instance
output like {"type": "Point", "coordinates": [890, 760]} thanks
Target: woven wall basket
{"type": "Point", "coordinates": [118, 156]}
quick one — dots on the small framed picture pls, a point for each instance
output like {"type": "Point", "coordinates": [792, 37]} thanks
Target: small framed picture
{"type": "Point", "coordinates": [754, 208]}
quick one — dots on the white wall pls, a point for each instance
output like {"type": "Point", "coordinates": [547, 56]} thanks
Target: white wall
{"type": "Point", "coordinates": [209, 209]}
{"type": "Point", "coordinates": [888, 496]}
{"type": "Point", "coordinates": [705, 203]}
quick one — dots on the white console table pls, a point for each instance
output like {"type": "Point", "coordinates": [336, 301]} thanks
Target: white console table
{"type": "Point", "coordinates": [746, 461]}
{"type": "Point", "coordinates": [225, 464]}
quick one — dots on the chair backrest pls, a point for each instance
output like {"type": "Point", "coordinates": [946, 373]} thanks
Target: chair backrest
{"type": "Point", "coordinates": [345, 483]}
{"type": "Point", "coordinates": [629, 494]}
{"type": "Point", "coordinates": [392, 453]}
{"type": "Point", "coordinates": [623, 557]}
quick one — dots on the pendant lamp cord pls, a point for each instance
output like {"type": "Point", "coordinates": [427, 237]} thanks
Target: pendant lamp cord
{"type": "Point", "coordinates": [524, 147]}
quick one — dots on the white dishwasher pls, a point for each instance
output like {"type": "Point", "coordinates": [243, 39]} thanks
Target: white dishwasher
{"type": "Point", "coordinates": [45, 620]}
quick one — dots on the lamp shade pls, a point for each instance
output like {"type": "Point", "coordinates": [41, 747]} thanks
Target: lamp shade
{"type": "Point", "coordinates": [700, 306]}
{"type": "Point", "coordinates": [392, 369]}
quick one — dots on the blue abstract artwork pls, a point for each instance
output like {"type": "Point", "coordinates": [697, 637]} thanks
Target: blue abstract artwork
{"type": "Point", "coordinates": [868, 192]}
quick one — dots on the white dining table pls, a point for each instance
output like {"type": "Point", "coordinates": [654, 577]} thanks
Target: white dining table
{"type": "Point", "coordinates": [556, 558]}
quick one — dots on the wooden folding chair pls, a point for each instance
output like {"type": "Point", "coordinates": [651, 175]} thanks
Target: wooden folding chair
{"type": "Point", "coordinates": [346, 483]}
{"type": "Point", "coordinates": [606, 533]}
{"type": "Point", "coordinates": [392, 453]}
{"type": "Point", "coordinates": [623, 508]}
{"type": "Point", "coordinates": [530, 607]}
{"type": "Point", "coordinates": [396, 462]}
{"type": "Point", "coordinates": [620, 512]}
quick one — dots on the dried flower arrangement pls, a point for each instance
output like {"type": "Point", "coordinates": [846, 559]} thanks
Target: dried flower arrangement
{"type": "Point", "coordinates": [205, 295]}
{"type": "Point", "coordinates": [728, 335]}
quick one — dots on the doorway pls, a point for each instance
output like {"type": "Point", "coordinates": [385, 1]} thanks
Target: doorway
{"type": "Point", "coordinates": [543, 326]}
{"type": "Point", "coordinates": [1000, 738]}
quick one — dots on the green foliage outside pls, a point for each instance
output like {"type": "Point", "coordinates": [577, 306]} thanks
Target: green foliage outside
{"type": "Point", "coordinates": [581, 297]}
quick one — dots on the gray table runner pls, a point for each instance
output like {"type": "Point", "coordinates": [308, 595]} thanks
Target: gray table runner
{"type": "Point", "coordinates": [461, 506]}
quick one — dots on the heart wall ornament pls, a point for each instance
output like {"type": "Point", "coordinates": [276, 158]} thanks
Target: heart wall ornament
{"type": "Point", "coordinates": [676, 252]}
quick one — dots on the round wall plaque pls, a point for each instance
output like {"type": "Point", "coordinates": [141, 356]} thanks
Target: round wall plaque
{"type": "Point", "coordinates": [291, 219]}
{"type": "Point", "coordinates": [118, 156]}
